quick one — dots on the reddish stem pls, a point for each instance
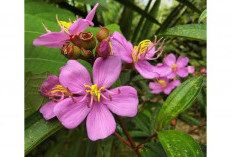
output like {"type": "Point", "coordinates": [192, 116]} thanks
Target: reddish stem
{"type": "Point", "coordinates": [146, 140]}
{"type": "Point", "coordinates": [123, 139]}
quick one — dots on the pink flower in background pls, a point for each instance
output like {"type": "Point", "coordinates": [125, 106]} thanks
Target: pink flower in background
{"type": "Point", "coordinates": [94, 101]}
{"type": "Point", "coordinates": [178, 66]}
{"type": "Point", "coordinates": [52, 88]}
{"type": "Point", "coordinates": [191, 69]}
{"type": "Point", "coordinates": [68, 31]}
{"type": "Point", "coordinates": [163, 85]}
{"type": "Point", "coordinates": [203, 71]}
{"type": "Point", "coordinates": [139, 55]}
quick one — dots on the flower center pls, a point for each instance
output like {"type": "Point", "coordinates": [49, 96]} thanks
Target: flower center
{"type": "Point", "coordinates": [174, 67]}
{"type": "Point", "coordinates": [162, 83]}
{"type": "Point", "coordinates": [141, 49]}
{"type": "Point", "coordinates": [94, 91]}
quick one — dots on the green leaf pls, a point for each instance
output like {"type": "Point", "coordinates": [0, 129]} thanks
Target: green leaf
{"type": "Point", "coordinates": [203, 16]}
{"type": "Point", "coordinates": [189, 31]}
{"type": "Point", "coordinates": [189, 119]}
{"type": "Point", "coordinates": [179, 100]}
{"type": "Point", "coordinates": [38, 129]}
{"type": "Point", "coordinates": [142, 122]}
{"type": "Point", "coordinates": [33, 99]}
{"type": "Point", "coordinates": [176, 143]}
{"type": "Point", "coordinates": [153, 149]}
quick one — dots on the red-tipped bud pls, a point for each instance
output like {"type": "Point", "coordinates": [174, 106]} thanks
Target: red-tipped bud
{"type": "Point", "coordinates": [71, 51]}
{"type": "Point", "coordinates": [103, 33]}
{"type": "Point", "coordinates": [104, 49]}
{"type": "Point", "coordinates": [85, 40]}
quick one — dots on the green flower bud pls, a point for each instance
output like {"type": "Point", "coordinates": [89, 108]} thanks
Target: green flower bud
{"type": "Point", "coordinates": [71, 51]}
{"type": "Point", "coordinates": [103, 33]}
{"type": "Point", "coordinates": [85, 40]}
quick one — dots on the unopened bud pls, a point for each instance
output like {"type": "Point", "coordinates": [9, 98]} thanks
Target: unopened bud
{"type": "Point", "coordinates": [104, 49]}
{"type": "Point", "coordinates": [103, 33]}
{"type": "Point", "coordinates": [86, 41]}
{"type": "Point", "coordinates": [71, 51]}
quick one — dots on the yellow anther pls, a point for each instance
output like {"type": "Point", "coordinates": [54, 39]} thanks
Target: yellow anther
{"type": "Point", "coordinates": [143, 46]}
{"type": "Point", "coordinates": [66, 25]}
{"type": "Point", "coordinates": [174, 67]}
{"type": "Point", "coordinates": [162, 83]}
{"type": "Point", "coordinates": [140, 49]}
{"type": "Point", "coordinates": [94, 91]}
{"type": "Point", "coordinates": [60, 88]}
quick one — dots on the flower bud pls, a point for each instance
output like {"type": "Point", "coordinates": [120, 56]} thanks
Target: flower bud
{"type": "Point", "coordinates": [85, 40]}
{"type": "Point", "coordinates": [103, 33]}
{"type": "Point", "coordinates": [103, 49]}
{"type": "Point", "coordinates": [71, 51]}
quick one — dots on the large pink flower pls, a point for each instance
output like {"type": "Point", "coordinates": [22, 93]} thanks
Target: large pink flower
{"type": "Point", "coordinates": [94, 101]}
{"type": "Point", "coordinates": [163, 85]}
{"type": "Point", "coordinates": [178, 66]}
{"type": "Point", "coordinates": [68, 31]}
{"type": "Point", "coordinates": [138, 55]}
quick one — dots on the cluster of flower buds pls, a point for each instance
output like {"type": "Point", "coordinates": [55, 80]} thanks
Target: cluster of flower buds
{"type": "Point", "coordinates": [103, 47]}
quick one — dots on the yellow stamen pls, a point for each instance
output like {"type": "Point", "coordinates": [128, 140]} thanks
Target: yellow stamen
{"type": "Point", "coordinates": [60, 88]}
{"type": "Point", "coordinates": [94, 91]}
{"type": "Point", "coordinates": [174, 67]}
{"type": "Point", "coordinates": [162, 83]}
{"type": "Point", "coordinates": [66, 25]}
{"type": "Point", "coordinates": [140, 49]}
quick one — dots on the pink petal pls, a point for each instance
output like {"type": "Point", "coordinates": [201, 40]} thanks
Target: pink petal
{"type": "Point", "coordinates": [71, 114]}
{"type": "Point", "coordinates": [145, 69]}
{"type": "Point", "coordinates": [47, 110]}
{"type": "Point", "coordinates": [104, 48]}
{"type": "Point", "coordinates": [73, 76]}
{"type": "Point", "coordinates": [168, 89]}
{"type": "Point", "coordinates": [175, 83]}
{"type": "Point", "coordinates": [155, 87]}
{"type": "Point", "coordinates": [182, 72]}
{"type": "Point", "coordinates": [106, 70]}
{"type": "Point", "coordinates": [92, 13]}
{"type": "Point", "coordinates": [182, 61]}
{"type": "Point", "coordinates": [124, 102]}
{"type": "Point", "coordinates": [191, 69]}
{"type": "Point", "coordinates": [170, 59]}
{"type": "Point", "coordinates": [162, 70]}
{"type": "Point", "coordinates": [48, 84]}
{"type": "Point", "coordinates": [51, 39]}
{"type": "Point", "coordinates": [121, 47]}
{"type": "Point", "coordinates": [79, 26]}
{"type": "Point", "coordinates": [100, 122]}
{"type": "Point", "coordinates": [172, 75]}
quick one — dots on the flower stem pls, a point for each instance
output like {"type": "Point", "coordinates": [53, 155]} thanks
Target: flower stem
{"type": "Point", "coordinates": [123, 139]}
{"type": "Point", "coordinates": [132, 143]}
{"type": "Point", "coordinates": [146, 140]}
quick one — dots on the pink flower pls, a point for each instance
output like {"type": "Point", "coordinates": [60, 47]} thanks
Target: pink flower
{"type": "Point", "coordinates": [178, 67]}
{"type": "Point", "coordinates": [68, 31]}
{"type": "Point", "coordinates": [163, 85]}
{"type": "Point", "coordinates": [203, 71]}
{"type": "Point", "coordinates": [139, 56]}
{"type": "Point", "coordinates": [52, 88]}
{"type": "Point", "coordinates": [191, 69]}
{"type": "Point", "coordinates": [94, 101]}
